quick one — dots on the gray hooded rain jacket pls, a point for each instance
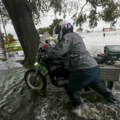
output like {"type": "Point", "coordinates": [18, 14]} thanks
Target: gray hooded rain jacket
{"type": "Point", "coordinates": [73, 51]}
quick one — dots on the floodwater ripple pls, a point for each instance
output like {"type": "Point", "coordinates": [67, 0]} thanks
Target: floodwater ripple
{"type": "Point", "coordinates": [18, 102]}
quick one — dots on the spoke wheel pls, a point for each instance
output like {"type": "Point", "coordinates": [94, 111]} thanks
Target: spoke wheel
{"type": "Point", "coordinates": [37, 82]}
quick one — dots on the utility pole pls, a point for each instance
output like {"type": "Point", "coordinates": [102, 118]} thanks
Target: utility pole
{"type": "Point", "coordinates": [3, 25]}
{"type": "Point", "coordinates": [2, 47]}
{"type": "Point", "coordinates": [5, 33]}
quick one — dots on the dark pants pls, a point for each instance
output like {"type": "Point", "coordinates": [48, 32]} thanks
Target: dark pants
{"type": "Point", "coordinates": [86, 77]}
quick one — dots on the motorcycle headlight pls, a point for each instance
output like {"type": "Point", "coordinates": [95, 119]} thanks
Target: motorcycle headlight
{"type": "Point", "coordinates": [36, 64]}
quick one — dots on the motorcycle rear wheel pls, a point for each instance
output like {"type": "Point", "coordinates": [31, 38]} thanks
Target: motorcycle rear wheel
{"type": "Point", "coordinates": [35, 83]}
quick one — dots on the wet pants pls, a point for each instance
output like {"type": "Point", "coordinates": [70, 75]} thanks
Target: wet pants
{"type": "Point", "coordinates": [86, 77]}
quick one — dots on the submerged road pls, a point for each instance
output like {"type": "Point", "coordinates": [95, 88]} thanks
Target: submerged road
{"type": "Point", "coordinates": [17, 102]}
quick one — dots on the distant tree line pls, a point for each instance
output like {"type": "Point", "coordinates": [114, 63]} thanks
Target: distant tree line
{"type": "Point", "coordinates": [50, 28]}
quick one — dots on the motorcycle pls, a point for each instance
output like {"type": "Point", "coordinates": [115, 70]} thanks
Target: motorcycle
{"type": "Point", "coordinates": [45, 69]}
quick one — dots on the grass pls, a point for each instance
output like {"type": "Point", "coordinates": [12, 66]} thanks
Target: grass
{"type": "Point", "coordinates": [11, 47]}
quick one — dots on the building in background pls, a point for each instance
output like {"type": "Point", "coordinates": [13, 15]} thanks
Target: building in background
{"type": "Point", "coordinates": [108, 29]}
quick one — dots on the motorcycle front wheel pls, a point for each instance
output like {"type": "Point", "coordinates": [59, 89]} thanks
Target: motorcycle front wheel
{"type": "Point", "coordinates": [35, 82]}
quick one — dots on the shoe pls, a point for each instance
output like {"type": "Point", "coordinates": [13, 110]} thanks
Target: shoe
{"type": "Point", "coordinates": [77, 111]}
{"type": "Point", "coordinates": [80, 110]}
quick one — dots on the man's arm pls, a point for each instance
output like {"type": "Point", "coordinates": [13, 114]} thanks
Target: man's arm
{"type": "Point", "coordinates": [61, 48]}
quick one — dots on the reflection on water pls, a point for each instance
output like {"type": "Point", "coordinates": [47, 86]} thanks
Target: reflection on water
{"type": "Point", "coordinates": [19, 103]}
{"type": "Point", "coordinates": [95, 40]}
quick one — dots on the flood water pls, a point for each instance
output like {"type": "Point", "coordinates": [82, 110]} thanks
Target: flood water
{"type": "Point", "coordinates": [17, 102]}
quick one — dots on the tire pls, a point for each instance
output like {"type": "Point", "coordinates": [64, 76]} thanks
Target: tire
{"type": "Point", "coordinates": [110, 84]}
{"type": "Point", "coordinates": [37, 83]}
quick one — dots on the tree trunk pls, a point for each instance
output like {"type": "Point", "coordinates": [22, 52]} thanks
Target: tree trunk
{"type": "Point", "coordinates": [21, 16]}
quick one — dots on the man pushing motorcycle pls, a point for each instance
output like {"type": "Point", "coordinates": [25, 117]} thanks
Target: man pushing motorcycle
{"type": "Point", "coordinates": [84, 70]}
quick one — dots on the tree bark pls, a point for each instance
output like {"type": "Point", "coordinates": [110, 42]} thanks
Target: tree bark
{"type": "Point", "coordinates": [21, 16]}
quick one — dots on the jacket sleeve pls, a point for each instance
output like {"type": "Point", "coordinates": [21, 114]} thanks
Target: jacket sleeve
{"type": "Point", "coordinates": [61, 48]}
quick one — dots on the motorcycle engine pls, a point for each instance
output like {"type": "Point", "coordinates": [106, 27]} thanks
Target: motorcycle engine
{"type": "Point", "coordinates": [60, 75]}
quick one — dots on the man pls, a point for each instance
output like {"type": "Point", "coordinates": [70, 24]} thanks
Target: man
{"type": "Point", "coordinates": [84, 70]}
